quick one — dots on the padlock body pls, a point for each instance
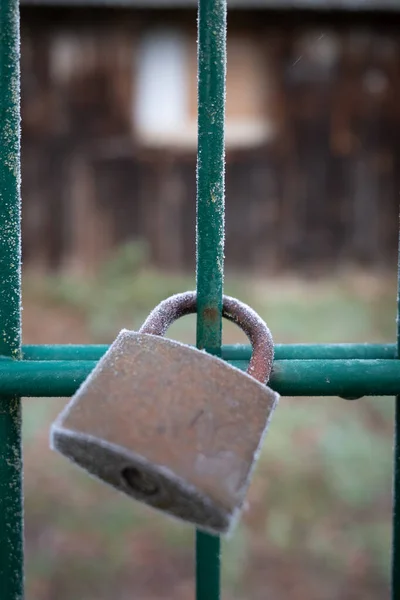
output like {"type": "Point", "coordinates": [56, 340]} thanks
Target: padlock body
{"type": "Point", "coordinates": [169, 425]}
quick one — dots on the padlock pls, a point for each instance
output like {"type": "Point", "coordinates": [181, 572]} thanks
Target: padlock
{"type": "Point", "coordinates": [170, 425]}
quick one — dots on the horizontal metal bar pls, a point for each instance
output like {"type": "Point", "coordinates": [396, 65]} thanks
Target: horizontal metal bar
{"type": "Point", "coordinates": [237, 352]}
{"type": "Point", "coordinates": [351, 378]}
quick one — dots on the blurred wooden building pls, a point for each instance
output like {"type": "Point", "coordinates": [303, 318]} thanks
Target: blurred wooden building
{"type": "Point", "coordinates": [312, 131]}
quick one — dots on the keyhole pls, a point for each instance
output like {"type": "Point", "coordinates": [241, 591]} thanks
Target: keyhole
{"type": "Point", "coordinates": [139, 482]}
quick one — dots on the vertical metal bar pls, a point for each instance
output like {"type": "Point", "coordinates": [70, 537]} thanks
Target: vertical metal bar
{"type": "Point", "coordinates": [396, 483]}
{"type": "Point", "coordinates": [210, 228]}
{"type": "Point", "coordinates": [11, 502]}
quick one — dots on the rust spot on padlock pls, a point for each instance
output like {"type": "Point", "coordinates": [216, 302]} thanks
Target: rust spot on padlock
{"type": "Point", "coordinates": [170, 425]}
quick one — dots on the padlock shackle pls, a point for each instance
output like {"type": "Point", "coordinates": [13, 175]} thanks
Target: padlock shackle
{"type": "Point", "coordinates": [246, 318]}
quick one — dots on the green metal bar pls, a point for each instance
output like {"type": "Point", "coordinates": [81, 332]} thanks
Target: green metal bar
{"type": "Point", "coordinates": [396, 470]}
{"type": "Point", "coordinates": [210, 229]}
{"type": "Point", "coordinates": [347, 378]}
{"type": "Point", "coordinates": [11, 499]}
{"type": "Point", "coordinates": [230, 352]}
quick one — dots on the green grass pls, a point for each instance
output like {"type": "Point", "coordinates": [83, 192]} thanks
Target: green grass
{"type": "Point", "coordinates": [320, 499]}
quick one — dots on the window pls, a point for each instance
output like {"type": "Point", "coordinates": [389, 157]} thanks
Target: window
{"type": "Point", "coordinates": [161, 102]}
{"type": "Point", "coordinates": [165, 97]}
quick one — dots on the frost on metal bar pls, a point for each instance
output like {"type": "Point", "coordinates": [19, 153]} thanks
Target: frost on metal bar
{"type": "Point", "coordinates": [210, 228]}
{"type": "Point", "coordinates": [350, 378]}
{"type": "Point", "coordinates": [230, 352]}
{"type": "Point", "coordinates": [11, 505]}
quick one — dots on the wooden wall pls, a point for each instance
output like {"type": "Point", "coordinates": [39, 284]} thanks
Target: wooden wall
{"type": "Point", "coordinates": [325, 190]}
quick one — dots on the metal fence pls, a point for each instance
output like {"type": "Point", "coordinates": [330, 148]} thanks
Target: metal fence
{"type": "Point", "coordinates": [349, 370]}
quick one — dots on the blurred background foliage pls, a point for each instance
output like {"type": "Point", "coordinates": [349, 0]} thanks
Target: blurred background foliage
{"type": "Point", "coordinates": [317, 524]}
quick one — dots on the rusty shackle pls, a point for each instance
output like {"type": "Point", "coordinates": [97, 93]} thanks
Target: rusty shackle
{"type": "Point", "coordinates": [179, 305]}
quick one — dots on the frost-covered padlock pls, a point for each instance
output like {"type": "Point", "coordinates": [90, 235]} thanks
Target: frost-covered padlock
{"type": "Point", "coordinates": [171, 425]}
